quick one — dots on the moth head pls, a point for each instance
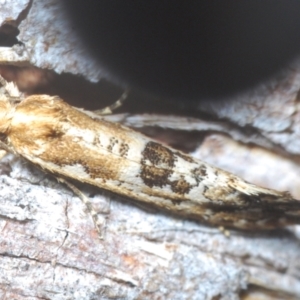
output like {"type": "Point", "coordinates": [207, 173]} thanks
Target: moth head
{"type": "Point", "coordinates": [5, 113]}
{"type": "Point", "coordinates": [9, 93]}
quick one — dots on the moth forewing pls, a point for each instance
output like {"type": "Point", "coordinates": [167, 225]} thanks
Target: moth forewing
{"type": "Point", "coordinates": [70, 143]}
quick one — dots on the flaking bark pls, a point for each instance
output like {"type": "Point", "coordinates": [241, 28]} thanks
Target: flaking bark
{"type": "Point", "coordinates": [49, 248]}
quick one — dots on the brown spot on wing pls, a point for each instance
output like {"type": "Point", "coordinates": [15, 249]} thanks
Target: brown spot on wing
{"type": "Point", "coordinates": [199, 173]}
{"type": "Point", "coordinates": [112, 142]}
{"type": "Point", "coordinates": [124, 148]}
{"type": "Point", "coordinates": [180, 186]}
{"type": "Point", "coordinates": [158, 155]}
{"type": "Point", "coordinates": [153, 176]}
{"type": "Point", "coordinates": [157, 164]}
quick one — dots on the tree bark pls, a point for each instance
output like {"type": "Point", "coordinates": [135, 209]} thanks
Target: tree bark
{"type": "Point", "coordinates": [49, 248]}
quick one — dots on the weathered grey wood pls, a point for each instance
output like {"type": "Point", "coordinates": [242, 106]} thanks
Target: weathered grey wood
{"type": "Point", "coordinates": [49, 248]}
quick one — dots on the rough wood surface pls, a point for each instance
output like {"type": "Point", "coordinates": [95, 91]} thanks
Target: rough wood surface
{"type": "Point", "coordinates": [49, 248]}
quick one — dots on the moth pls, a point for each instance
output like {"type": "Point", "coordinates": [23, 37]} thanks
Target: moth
{"type": "Point", "coordinates": [73, 144]}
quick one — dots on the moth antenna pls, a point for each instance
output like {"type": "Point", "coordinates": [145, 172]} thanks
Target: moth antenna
{"type": "Point", "coordinates": [10, 89]}
{"type": "Point", "coordinates": [2, 81]}
{"type": "Point", "coordinates": [109, 109]}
